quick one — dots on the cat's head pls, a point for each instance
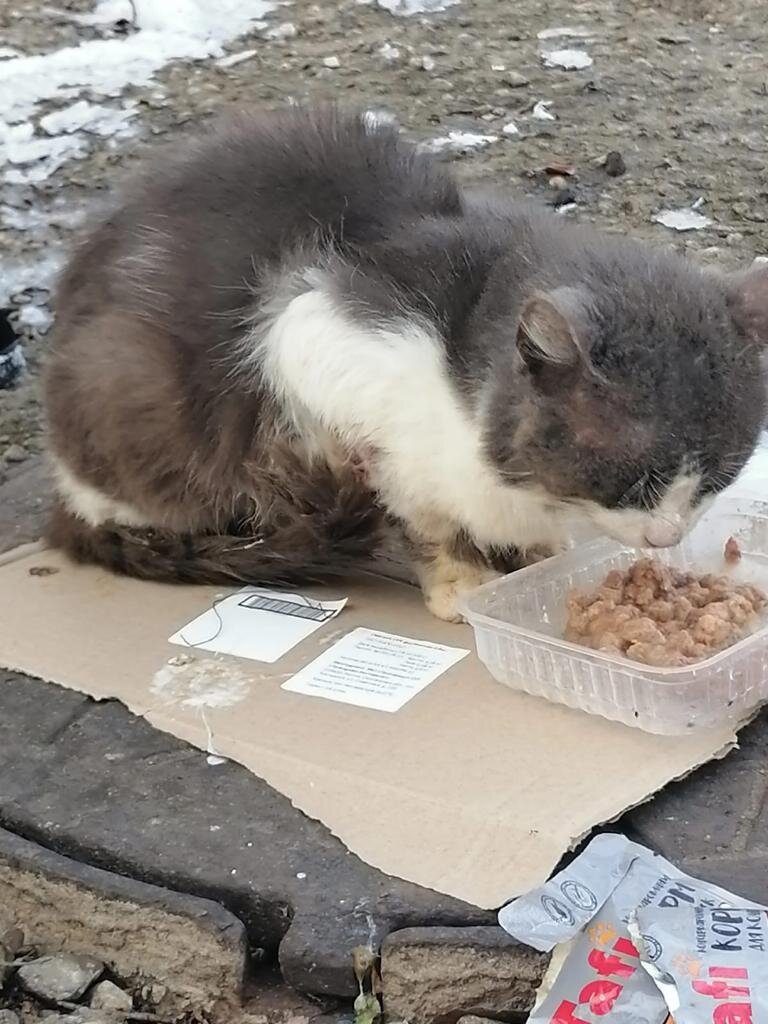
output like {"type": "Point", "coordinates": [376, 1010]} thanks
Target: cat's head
{"type": "Point", "coordinates": [639, 394]}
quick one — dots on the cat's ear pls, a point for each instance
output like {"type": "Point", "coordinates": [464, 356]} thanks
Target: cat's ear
{"type": "Point", "coordinates": [553, 334]}
{"type": "Point", "coordinates": [749, 302]}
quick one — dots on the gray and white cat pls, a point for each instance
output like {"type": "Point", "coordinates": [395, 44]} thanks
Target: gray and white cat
{"type": "Point", "coordinates": [297, 334]}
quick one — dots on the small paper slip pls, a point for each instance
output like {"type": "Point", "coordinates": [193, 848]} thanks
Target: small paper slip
{"type": "Point", "coordinates": [374, 670]}
{"type": "Point", "coordinates": [259, 624]}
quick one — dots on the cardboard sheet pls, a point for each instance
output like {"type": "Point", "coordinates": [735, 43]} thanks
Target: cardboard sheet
{"type": "Point", "coordinates": [469, 788]}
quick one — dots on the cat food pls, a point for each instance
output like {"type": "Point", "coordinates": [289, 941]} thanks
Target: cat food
{"type": "Point", "coordinates": [661, 616]}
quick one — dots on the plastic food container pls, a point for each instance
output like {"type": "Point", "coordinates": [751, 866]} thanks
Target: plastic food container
{"type": "Point", "coordinates": [519, 621]}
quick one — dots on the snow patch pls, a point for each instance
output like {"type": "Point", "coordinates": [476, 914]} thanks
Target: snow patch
{"type": "Point", "coordinates": [168, 31]}
{"type": "Point", "coordinates": [542, 112]}
{"type": "Point", "coordinates": [459, 142]}
{"type": "Point", "coordinates": [407, 8]}
{"type": "Point", "coordinates": [20, 146]}
{"type": "Point", "coordinates": [100, 120]}
{"type": "Point", "coordinates": [685, 219]}
{"type": "Point", "coordinates": [388, 52]}
{"type": "Point", "coordinates": [35, 318]}
{"type": "Point", "coordinates": [568, 59]}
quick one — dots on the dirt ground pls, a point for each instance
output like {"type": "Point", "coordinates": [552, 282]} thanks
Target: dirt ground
{"type": "Point", "coordinates": [679, 89]}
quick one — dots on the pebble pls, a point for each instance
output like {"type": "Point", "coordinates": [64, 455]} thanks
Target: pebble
{"type": "Point", "coordinates": [15, 453]}
{"type": "Point", "coordinates": [285, 30]}
{"type": "Point", "coordinates": [107, 996]}
{"type": "Point", "coordinates": [614, 164]}
{"type": "Point", "coordinates": [157, 993]}
{"type": "Point", "coordinates": [12, 940]}
{"type": "Point", "coordinates": [10, 944]}
{"type": "Point", "coordinates": [83, 1016]}
{"type": "Point", "coordinates": [515, 80]}
{"type": "Point", "coordinates": [60, 977]}
{"type": "Point", "coordinates": [564, 197]}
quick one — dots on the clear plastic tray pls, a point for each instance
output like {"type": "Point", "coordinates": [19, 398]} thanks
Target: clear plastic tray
{"type": "Point", "coordinates": [519, 622]}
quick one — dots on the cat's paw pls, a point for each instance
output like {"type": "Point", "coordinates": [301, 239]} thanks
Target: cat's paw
{"type": "Point", "coordinates": [443, 597]}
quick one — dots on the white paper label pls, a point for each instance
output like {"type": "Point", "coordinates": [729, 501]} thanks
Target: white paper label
{"type": "Point", "coordinates": [374, 670]}
{"type": "Point", "coordinates": [255, 623]}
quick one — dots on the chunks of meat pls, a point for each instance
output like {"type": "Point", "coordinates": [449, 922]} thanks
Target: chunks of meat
{"type": "Point", "coordinates": [661, 616]}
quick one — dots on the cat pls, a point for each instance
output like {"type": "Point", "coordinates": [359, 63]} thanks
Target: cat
{"type": "Point", "coordinates": [297, 337]}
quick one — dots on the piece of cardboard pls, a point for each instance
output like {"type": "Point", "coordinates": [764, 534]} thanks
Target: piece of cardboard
{"type": "Point", "coordinates": [471, 789]}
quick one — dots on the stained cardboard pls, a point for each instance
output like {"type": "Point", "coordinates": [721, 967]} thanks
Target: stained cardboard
{"type": "Point", "coordinates": [470, 789]}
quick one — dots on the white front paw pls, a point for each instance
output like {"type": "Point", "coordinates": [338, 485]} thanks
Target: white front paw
{"type": "Point", "coordinates": [443, 597]}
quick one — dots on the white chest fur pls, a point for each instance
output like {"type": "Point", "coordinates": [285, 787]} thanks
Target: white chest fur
{"type": "Point", "coordinates": [388, 387]}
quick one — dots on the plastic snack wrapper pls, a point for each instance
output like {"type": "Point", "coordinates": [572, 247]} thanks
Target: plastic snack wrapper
{"type": "Point", "coordinates": [584, 914]}
{"type": "Point", "coordinates": [709, 963]}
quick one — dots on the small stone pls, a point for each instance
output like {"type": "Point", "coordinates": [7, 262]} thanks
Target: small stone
{"type": "Point", "coordinates": [285, 30]}
{"type": "Point", "coordinates": [12, 940]}
{"type": "Point", "coordinates": [432, 974]}
{"type": "Point", "coordinates": [614, 164]}
{"type": "Point", "coordinates": [557, 181]}
{"type": "Point", "coordinates": [107, 996]}
{"type": "Point", "coordinates": [563, 197]}
{"type": "Point", "coordinates": [83, 1015]}
{"type": "Point", "coordinates": [15, 453]}
{"type": "Point", "coordinates": [332, 62]}
{"type": "Point", "coordinates": [157, 993]}
{"type": "Point", "coordinates": [60, 977]}
{"type": "Point", "coordinates": [515, 80]}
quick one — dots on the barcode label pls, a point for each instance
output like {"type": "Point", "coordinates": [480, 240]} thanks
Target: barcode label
{"type": "Point", "coordinates": [280, 606]}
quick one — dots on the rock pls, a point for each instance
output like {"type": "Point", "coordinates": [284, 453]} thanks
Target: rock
{"type": "Point", "coordinates": [8, 1017]}
{"type": "Point", "coordinates": [515, 80]}
{"type": "Point", "coordinates": [83, 1016]}
{"type": "Point", "coordinates": [563, 197]}
{"type": "Point", "coordinates": [107, 996]}
{"type": "Point", "coordinates": [15, 453]}
{"type": "Point", "coordinates": [614, 164]}
{"type": "Point", "coordinates": [11, 942]}
{"type": "Point", "coordinates": [13, 939]}
{"type": "Point", "coordinates": [432, 974]}
{"type": "Point", "coordinates": [60, 977]}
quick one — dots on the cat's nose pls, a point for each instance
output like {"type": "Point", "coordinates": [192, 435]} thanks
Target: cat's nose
{"type": "Point", "coordinates": [664, 533]}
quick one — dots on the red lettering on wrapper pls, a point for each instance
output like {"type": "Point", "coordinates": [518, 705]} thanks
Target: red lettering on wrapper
{"type": "Point", "coordinates": [721, 987]}
{"type": "Point", "coordinates": [606, 964]}
{"type": "Point", "coordinates": [601, 994]}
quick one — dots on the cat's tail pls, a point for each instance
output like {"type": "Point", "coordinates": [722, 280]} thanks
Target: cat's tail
{"type": "Point", "coordinates": [318, 543]}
